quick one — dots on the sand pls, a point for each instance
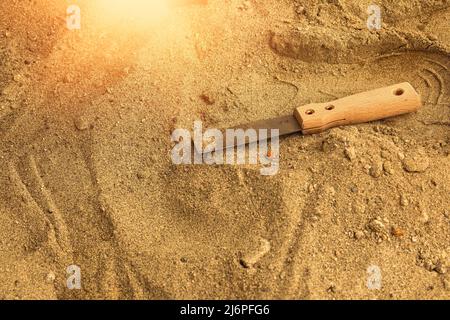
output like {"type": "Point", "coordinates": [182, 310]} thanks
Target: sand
{"type": "Point", "coordinates": [86, 176]}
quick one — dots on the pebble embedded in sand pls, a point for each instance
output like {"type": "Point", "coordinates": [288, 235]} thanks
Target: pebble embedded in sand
{"type": "Point", "coordinates": [328, 146]}
{"type": "Point", "coordinates": [251, 258]}
{"type": "Point", "coordinates": [18, 78]}
{"type": "Point", "coordinates": [387, 167]}
{"type": "Point", "coordinates": [404, 200]}
{"type": "Point", "coordinates": [358, 234]}
{"type": "Point", "coordinates": [447, 284]}
{"type": "Point", "coordinates": [447, 214]}
{"type": "Point", "coordinates": [184, 259]}
{"type": "Point", "coordinates": [350, 153]}
{"type": "Point", "coordinates": [397, 232]}
{"type": "Point", "coordinates": [440, 268]}
{"type": "Point", "coordinates": [424, 216]}
{"type": "Point", "coordinates": [359, 208]}
{"type": "Point", "coordinates": [300, 10]}
{"type": "Point", "coordinates": [376, 170]}
{"type": "Point", "coordinates": [81, 124]}
{"type": "Point", "coordinates": [416, 163]}
{"type": "Point", "coordinates": [143, 174]}
{"type": "Point", "coordinates": [50, 277]}
{"type": "Point", "coordinates": [377, 226]}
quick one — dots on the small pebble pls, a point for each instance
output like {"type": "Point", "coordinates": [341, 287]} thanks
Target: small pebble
{"type": "Point", "coordinates": [404, 200]}
{"type": "Point", "coordinates": [143, 174]}
{"type": "Point", "coordinates": [350, 153]}
{"type": "Point", "coordinates": [250, 259]}
{"type": "Point", "coordinates": [358, 234]}
{"type": "Point", "coordinates": [376, 170]}
{"type": "Point", "coordinates": [300, 10]}
{"type": "Point", "coordinates": [440, 268]}
{"type": "Point", "coordinates": [397, 232]}
{"type": "Point", "coordinates": [18, 78]}
{"type": "Point", "coordinates": [447, 284]}
{"type": "Point", "coordinates": [50, 278]}
{"type": "Point", "coordinates": [81, 124]}
{"type": "Point", "coordinates": [377, 226]}
{"type": "Point", "coordinates": [425, 217]}
{"type": "Point", "coordinates": [387, 167]}
{"type": "Point", "coordinates": [416, 163]}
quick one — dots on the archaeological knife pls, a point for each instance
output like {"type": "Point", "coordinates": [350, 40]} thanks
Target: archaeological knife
{"type": "Point", "coordinates": [363, 107]}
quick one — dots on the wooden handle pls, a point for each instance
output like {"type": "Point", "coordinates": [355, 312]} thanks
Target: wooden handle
{"type": "Point", "coordinates": [362, 107]}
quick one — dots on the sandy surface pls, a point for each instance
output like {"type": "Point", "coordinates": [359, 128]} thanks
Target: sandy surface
{"type": "Point", "coordinates": [86, 176]}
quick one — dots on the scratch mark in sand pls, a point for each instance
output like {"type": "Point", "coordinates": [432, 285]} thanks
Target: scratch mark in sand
{"type": "Point", "coordinates": [439, 80]}
{"type": "Point", "coordinates": [54, 213]}
{"type": "Point", "coordinates": [133, 283]}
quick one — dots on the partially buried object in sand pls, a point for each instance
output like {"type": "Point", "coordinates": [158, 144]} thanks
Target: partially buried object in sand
{"type": "Point", "coordinates": [363, 107]}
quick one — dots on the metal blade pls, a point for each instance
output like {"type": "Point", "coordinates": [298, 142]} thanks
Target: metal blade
{"type": "Point", "coordinates": [285, 124]}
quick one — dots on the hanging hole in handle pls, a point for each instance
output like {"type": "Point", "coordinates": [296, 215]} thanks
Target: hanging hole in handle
{"type": "Point", "coordinates": [399, 92]}
{"type": "Point", "coordinates": [329, 108]}
{"type": "Point", "coordinates": [310, 112]}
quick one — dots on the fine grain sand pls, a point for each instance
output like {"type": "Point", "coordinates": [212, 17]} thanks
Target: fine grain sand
{"type": "Point", "coordinates": [86, 176]}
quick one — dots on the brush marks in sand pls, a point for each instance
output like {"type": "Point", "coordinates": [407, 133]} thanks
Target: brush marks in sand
{"type": "Point", "coordinates": [106, 267]}
{"type": "Point", "coordinates": [30, 186]}
{"type": "Point", "coordinates": [427, 72]}
{"type": "Point", "coordinates": [293, 273]}
{"type": "Point", "coordinates": [36, 221]}
{"type": "Point", "coordinates": [43, 196]}
{"type": "Point", "coordinates": [435, 78]}
{"type": "Point", "coordinates": [117, 276]}
{"type": "Point", "coordinates": [431, 75]}
{"type": "Point", "coordinates": [101, 206]}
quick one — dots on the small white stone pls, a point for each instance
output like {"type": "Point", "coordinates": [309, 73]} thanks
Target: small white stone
{"type": "Point", "coordinates": [50, 277]}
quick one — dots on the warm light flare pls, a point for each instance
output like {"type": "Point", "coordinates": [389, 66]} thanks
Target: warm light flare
{"type": "Point", "coordinates": [140, 12]}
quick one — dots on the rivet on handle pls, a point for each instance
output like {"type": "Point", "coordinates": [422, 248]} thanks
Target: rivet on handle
{"type": "Point", "coordinates": [399, 92]}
